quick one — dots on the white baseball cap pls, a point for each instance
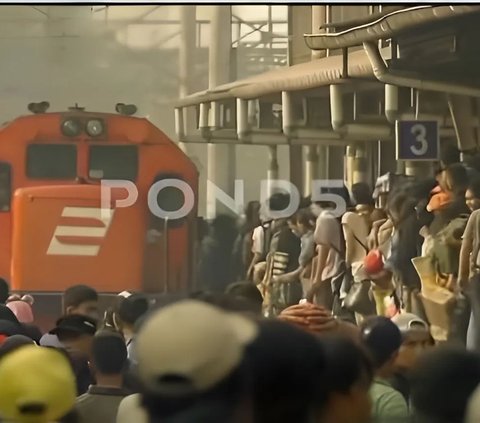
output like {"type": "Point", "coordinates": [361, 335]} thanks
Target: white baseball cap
{"type": "Point", "coordinates": [190, 346]}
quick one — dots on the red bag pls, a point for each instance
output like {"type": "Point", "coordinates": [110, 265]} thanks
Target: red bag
{"type": "Point", "coordinates": [373, 262]}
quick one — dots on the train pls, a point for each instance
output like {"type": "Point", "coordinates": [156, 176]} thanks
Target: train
{"type": "Point", "coordinates": [55, 230]}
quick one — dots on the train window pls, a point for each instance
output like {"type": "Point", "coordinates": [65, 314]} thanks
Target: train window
{"type": "Point", "coordinates": [5, 186]}
{"type": "Point", "coordinates": [113, 162]}
{"type": "Point", "coordinates": [52, 161]}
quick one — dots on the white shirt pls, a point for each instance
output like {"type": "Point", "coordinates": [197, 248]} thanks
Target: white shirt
{"type": "Point", "coordinates": [328, 233]}
{"type": "Point", "coordinates": [258, 240]}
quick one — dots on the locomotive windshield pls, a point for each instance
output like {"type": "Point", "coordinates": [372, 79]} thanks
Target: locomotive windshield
{"type": "Point", "coordinates": [113, 162]}
{"type": "Point", "coordinates": [51, 161]}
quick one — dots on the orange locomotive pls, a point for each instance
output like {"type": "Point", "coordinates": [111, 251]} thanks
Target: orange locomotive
{"type": "Point", "coordinates": [53, 232]}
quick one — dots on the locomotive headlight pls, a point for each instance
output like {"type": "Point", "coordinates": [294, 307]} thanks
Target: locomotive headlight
{"type": "Point", "coordinates": [95, 127]}
{"type": "Point", "coordinates": [71, 127]}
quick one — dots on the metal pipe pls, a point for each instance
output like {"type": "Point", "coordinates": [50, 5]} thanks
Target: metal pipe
{"type": "Point", "coordinates": [243, 127]}
{"type": "Point", "coordinates": [382, 73]}
{"type": "Point", "coordinates": [391, 102]}
{"type": "Point", "coordinates": [179, 123]}
{"type": "Point", "coordinates": [288, 126]}
{"type": "Point", "coordinates": [203, 115]}
{"type": "Point", "coordinates": [365, 131]}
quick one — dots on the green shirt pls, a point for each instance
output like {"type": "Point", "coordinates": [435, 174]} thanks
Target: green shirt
{"type": "Point", "coordinates": [388, 405]}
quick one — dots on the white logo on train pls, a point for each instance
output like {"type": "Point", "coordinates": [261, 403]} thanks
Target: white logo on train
{"type": "Point", "coordinates": [84, 238]}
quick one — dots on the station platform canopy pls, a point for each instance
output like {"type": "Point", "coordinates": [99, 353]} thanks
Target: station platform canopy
{"type": "Point", "coordinates": [336, 68]}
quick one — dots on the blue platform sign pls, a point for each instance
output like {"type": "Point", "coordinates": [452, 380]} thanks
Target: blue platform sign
{"type": "Point", "coordinates": [417, 140]}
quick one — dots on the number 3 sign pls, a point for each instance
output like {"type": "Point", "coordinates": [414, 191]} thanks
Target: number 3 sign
{"type": "Point", "coordinates": [417, 140]}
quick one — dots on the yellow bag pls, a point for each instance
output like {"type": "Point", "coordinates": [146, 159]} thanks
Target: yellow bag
{"type": "Point", "coordinates": [438, 301]}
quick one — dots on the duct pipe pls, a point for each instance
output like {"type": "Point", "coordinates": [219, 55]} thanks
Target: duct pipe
{"type": "Point", "coordinates": [364, 131]}
{"type": "Point", "coordinates": [203, 116]}
{"type": "Point", "coordinates": [360, 166]}
{"type": "Point", "coordinates": [291, 130]}
{"type": "Point", "coordinates": [382, 73]}
{"type": "Point", "coordinates": [214, 115]}
{"type": "Point", "coordinates": [391, 102]}
{"type": "Point", "coordinates": [243, 127]}
{"type": "Point", "coordinates": [179, 123]}
{"type": "Point", "coordinates": [350, 153]}
{"type": "Point", "coordinates": [288, 126]}
{"type": "Point", "coordinates": [311, 169]}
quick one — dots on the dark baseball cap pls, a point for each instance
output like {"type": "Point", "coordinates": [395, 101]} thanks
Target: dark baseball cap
{"type": "Point", "coordinates": [77, 324]}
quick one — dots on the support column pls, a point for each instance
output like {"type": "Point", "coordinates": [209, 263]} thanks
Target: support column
{"type": "Point", "coordinates": [322, 162]}
{"type": "Point", "coordinates": [186, 64]}
{"type": "Point", "coordinates": [272, 171]}
{"type": "Point", "coordinates": [420, 170]}
{"type": "Point", "coordinates": [221, 158]}
{"type": "Point", "coordinates": [312, 164]}
{"type": "Point", "coordinates": [336, 156]}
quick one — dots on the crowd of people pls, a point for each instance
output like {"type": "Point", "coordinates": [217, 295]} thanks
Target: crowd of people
{"type": "Point", "coordinates": [371, 316]}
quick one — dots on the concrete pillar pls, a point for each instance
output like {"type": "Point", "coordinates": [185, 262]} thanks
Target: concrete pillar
{"type": "Point", "coordinates": [360, 165]}
{"type": "Point", "coordinates": [186, 63]}
{"type": "Point", "coordinates": [272, 171]}
{"type": "Point", "coordinates": [420, 170]}
{"type": "Point", "coordinates": [299, 18]}
{"type": "Point", "coordinates": [319, 18]}
{"type": "Point", "coordinates": [336, 156]}
{"type": "Point", "coordinates": [221, 158]}
{"type": "Point", "coordinates": [322, 162]}
{"type": "Point", "coordinates": [311, 152]}
{"type": "Point", "coordinates": [386, 159]}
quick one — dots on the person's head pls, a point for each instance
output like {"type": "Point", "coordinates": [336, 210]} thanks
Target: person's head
{"type": "Point", "coordinates": [286, 364]}
{"type": "Point", "coordinates": [382, 339]}
{"type": "Point", "coordinates": [320, 204]}
{"type": "Point", "coordinates": [362, 194]}
{"type": "Point", "coordinates": [279, 202]}
{"type": "Point", "coordinates": [130, 310]}
{"type": "Point", "coordinates": [399, 206]}
{"type": "Point", "coordinates": [109, 354]}
{"type": "Point", "coordinates": [4, 291]}
{"type": "Point", "coordinates": [81, 299]}
{"type": "Point", "coordinates": [192, 353]}
{"type": "Point", "coordinates": [22, 308]}
{"type": "Point", "coordinates": [246, 291]}
{"type": "Point", "coordinates": [472, 195]}
{"type": "Point", "coordinates": [346, 381]}
{"type": "Point", "coordinates": [305, 218]}
{"type": "Point", "coordinates": [13, 343]}
{"type": "Point", "coordinates": [76, 332]}
{"type": "Point", "coordinates": [38, 385]}
{"type": "Point", "coordinates": [415, 339]}
{"type": "Point", "coordinates": [455, 179]}
{"type": "Point", "coordinates": [442, 382]}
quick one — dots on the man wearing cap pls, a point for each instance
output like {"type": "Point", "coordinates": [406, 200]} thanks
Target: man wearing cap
{"type": "Point", "coordinates": [191, 359]}
{"type": "Point", "coordinates": [416, 339]}
{"type": "Point", "coordinates": [76, 332]}
{"type": "Point", "coordinates": [38, 386]}
{"type": "Point", "coordinates": [383, 339]}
